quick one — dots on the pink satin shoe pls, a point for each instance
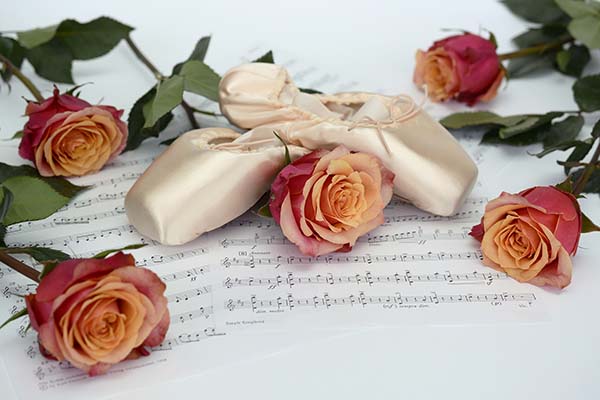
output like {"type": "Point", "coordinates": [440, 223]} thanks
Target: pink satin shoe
{"type": "Point", "coordinates": [201, 182]}
{"type": "Point", "coordinates": [432, 170]}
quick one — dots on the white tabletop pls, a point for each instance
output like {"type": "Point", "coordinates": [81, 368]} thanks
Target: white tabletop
{"type": "Point", "coordinates": [372, 43]}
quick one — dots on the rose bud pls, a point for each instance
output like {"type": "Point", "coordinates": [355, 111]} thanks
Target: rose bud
{"type": "Point", "coordinates": [325, 200]}
{"type": "Point", "coordinates": [531, 235]}
{"type": "Point", "coordinates": [68, 136]}
{"type": "Point", "coordinates": [462, 67]}
{"type": "Point", "coordinates": [97, 312]}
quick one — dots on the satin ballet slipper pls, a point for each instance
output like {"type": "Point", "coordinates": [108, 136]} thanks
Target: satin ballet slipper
{"type": "Point", "coordinates": [201, 182]}
{"type": "Point", "coordinates": [432, 170]}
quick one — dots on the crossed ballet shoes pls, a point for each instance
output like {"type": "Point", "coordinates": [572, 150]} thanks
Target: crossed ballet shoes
{"type": "Point", "coordinates": [208, 177]}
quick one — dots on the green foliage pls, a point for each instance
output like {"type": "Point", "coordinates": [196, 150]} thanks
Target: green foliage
{"type": "Point", "coordinates": [587, 226]}
{"type": "Point", "coordinates": [199, 78]}
{"type": "Point", "coordinates": [51, 50]}
{"type": "Point", "coordinates": [14, 317]}
{"type": "Point", "coordinates": [42, 255]}
{"type": "Point", "coordinates": [169, 95]}
{"type": "Point", "coordinates": [105, 253]}
{"type": "Point", "coordinates": [585, 23]}
{"type": "Point", "coordinates": [573, 61]}
{"type": "Point", "coordinates": [12, 50]}
{"type": "Point", "coordinates": [266, 58]}
{"type": "Point", "coordinates": [544, 34]}
{"type": "Point", "coordinates": [519, 67]}
{"type": "Point", "coordinates": [136, 122]}
{"type": "Point", "coordinates": [593, 184]}
{"type": "Point", "coordinates": [540, 11]}
{"type": "Point", "coordinates": [198, 54]}
{"type": "Point", "coordinates": [27, 188]}
{"type": "Point", "coordinates": [586, 92]}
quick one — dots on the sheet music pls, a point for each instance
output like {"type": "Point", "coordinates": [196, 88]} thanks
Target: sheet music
{"type": "Point", "coordinates": [247, 278]}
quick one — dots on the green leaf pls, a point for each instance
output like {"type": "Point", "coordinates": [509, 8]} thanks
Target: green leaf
{"type": "Point", "coordinates": [33, 199]}
{"type": "Point", "coordinates": [587, 226]}
{"type": "Point", "coordinates": [61, 185]}
{"type": "Point", "coordinates": [586, 29]}
{"type": "Point", "coordinates": [529, 123]}
{"type": "Point", "coordinates": [52, 60]}
{"type": "Point", "coordinates": [573, 61]}
{"type": "Point", "coordinates": [310, 91]}
{"type": "Point", "coordinates": [586, 91]}
{"type": "Point", "coordinates": [266, 58]}
{"type": "Point", "coordinates": [564, 130]}
{"type": "Point", "coordinates": [199, 78]}
{"type": "Point", "coordinates": [265, 211]}
{"type": "Point", "coordinates": [593, 184]}
{"type": "Point", "coordinates": [566, 185]}
{"type": "Point", "coordinates": [137, 132]}
{"type": "Point", "coordinates": [519, 67]}
{"type": "Point", "coordinates": [536, 36]}
{"type": "Point", "coordinates": [559, 146]}
{"type": "Point", "coordinates": [540, 11]}
{"type": "Point", "coordinates": [287, 158]}
{"type": "Point", "coordinates": [198, 54]}
{"type": "Point", "coordinates": [35, 37]}
{"type": "Point", "coordinates": [2, 235]}
{"type": "Point", "coordinates": [168, 96]}
{"type": "Point", "coordinates": [104, 253]}
{"type": "Point", "coordinates": [12, 50]}
{"type": "Point", "coordinates": [579, 152]}
{"type": "Point", "coordinates": [14, 317]}
{"type": "Point", "coordinates": [596, 130]}
{"type": "Point", "coordinates": [464, 119]}
{"type": "Point", "coordinates": [5, 202]}
{"type": "Point", "coordinates": [532, 136]}
{"type": "Point", "coordinates": [40, 254]}
{"type": "Point", "coordinates": [92, 39]}
{"type": "Point", "coordinates": [17, 135]}
{"type": "Point", "coordinates": [579, 8]}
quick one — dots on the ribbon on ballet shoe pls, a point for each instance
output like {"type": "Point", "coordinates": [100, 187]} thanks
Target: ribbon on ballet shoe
{"type": "Point", "coordinates": [394, 117]}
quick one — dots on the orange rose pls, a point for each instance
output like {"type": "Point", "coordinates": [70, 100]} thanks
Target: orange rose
{"type": "Point", "coordinates": [325, 200]}
{"type": "Point", "coordinates": [67, 136]}
{"type": "Point", "coordinates": [462, 67]}
{"type": "Point", "coordinates": [530, 235]}
{"type": "Point", "coordinates": [97, 312]}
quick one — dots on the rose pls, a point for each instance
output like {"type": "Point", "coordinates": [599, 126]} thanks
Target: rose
{"type": "Point", "coordinates": [462, 67]}
{"type": "Point", "coordinates": [325, 200]}
{"type": "Point", "coordinates": [68, 136]}
{"type": "Point", "coordinates": [97, 312]}
{"type": "Point", "coordinates": [530, 235]}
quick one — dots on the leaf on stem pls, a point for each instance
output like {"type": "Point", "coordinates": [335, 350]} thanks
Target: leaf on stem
{"type": "Point", "coordinates": [573, 61]}
{"type": "Point", "coordinates": [587, 226]}
{"type": "Point", "coordinates": [198, 54]}
{"type": "Point", "coordinates": [61, 185]}
{"type": "Point", "coordinates": [199, 78]}
{"type": "Point", "coordinates": [105, 253]}
{"type": "Point", "coordinates": [14, 317]}
{"type": "Point", "coordinates": [540, 11]}
{"type": "Point", "coordinates": [266, 58]}
{"type": "Point", "coordinates": [586, 92]}
{"type": "Point", "coordinates": [169, 94]}
{"type": "Point", "coordinates": [136, 122]}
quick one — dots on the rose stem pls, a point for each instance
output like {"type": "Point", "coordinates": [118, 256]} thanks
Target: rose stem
{"type": "Point", "coordinates": [588, 171]}
{"type": "Point", "coordinates": [539, 49]}
{"type": "Point", "coordinates": [25, 80]}
{"type": "Point", "coordinates": [20, 267]}
{"type": "Point", "coordinates": [189, 111]}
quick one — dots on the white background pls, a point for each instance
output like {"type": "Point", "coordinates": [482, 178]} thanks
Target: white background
{"type": "Point", "coordinates": [372, 43]}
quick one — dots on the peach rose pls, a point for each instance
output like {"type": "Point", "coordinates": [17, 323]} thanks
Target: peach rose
{"type": "Point", "coordinates": [531, 235]}
{"type": "Point", "coordinates": [325, 200]}
{"type": "Point", "coordinates": [97, 312]}
{"type": "Point", "coordinates": [462, 67]}
{"type": "Point", "coordinates": [67, 136]}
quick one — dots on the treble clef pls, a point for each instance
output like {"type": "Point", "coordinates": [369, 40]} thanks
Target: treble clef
{"type": "Point", "coordinates": [226, 263]}
{"type": "Point", "coordinates": [228, 283]}
{"type": "Point", "coordinates": [230, 305]}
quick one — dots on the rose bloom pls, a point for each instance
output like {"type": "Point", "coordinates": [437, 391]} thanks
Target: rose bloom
{"type": "Point", "coordinates": [68, 136]}
{"type": "Point", "coordinates": [531, 235]}
{"type": "Point", "coordinates": [325, 200]}
{"type": "Point", "coordinates": [462, 67]}
{"type": "Point", "coordinates": [97, 312]}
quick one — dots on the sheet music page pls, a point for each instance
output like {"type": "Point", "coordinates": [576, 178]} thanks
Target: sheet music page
{"type": "Point", "coordinates": [247, 278]}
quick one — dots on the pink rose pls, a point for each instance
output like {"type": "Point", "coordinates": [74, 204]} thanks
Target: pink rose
{"type": "Point", "coordinates": [462, 67]}
{"type": "Point", "coordinates": [97, 312]}
{"type": "Point", "coordinates": [68, 136]}
{"type": "Point", "coordinates": [531, 235]}
{"type": "Point", "coordinates": [325, 200]}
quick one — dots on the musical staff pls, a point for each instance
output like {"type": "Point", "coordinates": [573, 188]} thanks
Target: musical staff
{"type": "Point", "coordinates": [192, 315]}
{"type": "Point", "coordinates": [33, 226]}
{"type": "Point", "coordinates": [368, 278]}
{"type": "Point", "coordinates": [185, 338]}
{"type": "Point", "coordinates": [253, 261]}
{"type": "Point", "coordinates": [325, 301]}
{"type": "Point", "coordinates": [188, 294]}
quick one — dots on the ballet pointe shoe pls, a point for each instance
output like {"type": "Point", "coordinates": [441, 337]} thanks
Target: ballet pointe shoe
{"type": "Point", "coordinates": [201, 182]}
{"type": "Point", "coordinates": [433, 172]}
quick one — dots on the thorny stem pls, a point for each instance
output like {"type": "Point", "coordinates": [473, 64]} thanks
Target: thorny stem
{"type": "Point", "coordinates": [20, 76]}
{"type": "Point", "coordinates": [20, 267]}
{"type": "Point", "coordinates": [189, 110]}
{"type": "Point", "coordinates": [539, 49]}
{"type": "Point", "coordinates": [587, 171]}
